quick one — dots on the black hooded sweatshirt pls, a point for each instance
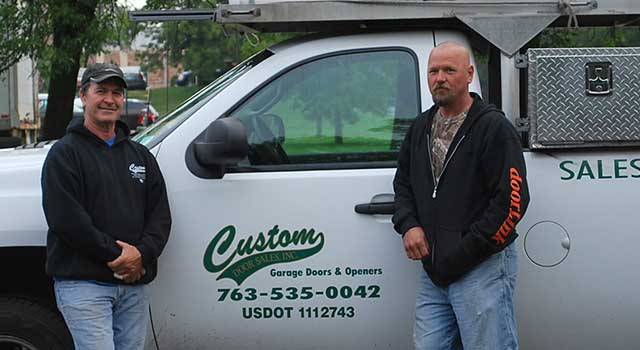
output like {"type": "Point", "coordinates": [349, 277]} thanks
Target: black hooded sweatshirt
{"type": "Point", "coordinates": [473, 210]}
{"type": "Point", "coordinates": [93, 195]}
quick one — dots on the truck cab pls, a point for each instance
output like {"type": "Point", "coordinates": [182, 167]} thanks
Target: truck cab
{"type": "Point", "coordinates": [324, 119]}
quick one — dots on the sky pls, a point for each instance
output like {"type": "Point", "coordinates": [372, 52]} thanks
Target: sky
{"type": "Point", "coordinates": [137, 4]}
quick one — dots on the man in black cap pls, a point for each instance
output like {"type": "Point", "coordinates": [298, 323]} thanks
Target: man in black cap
{"type": "Point", "coordinates": [106, 205]}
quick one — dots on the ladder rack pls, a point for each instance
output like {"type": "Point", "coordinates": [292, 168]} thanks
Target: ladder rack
{"type": "Point", "coordinates": [507, 24]}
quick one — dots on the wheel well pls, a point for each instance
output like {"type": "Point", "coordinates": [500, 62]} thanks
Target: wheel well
{"type": "Point", "coordinates": [23, 273]}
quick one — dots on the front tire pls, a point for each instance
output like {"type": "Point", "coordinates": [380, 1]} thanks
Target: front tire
{"type": "Point", "coordinates": [28, 325]}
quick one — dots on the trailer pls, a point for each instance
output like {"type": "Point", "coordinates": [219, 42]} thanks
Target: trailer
{"type": "Point", "coordinates": [19, 115]}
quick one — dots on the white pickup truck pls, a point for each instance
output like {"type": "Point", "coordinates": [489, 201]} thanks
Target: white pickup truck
{"type": "Point", "coordinates": [279, 176]}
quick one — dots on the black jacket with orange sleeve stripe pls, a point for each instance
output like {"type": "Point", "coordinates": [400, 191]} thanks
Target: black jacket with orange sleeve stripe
{"type": "Point", "coordinates": [472, 212]}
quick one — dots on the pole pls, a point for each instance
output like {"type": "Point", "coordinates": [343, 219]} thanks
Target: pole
{"type": "Point", "coordinates": [166, 81]}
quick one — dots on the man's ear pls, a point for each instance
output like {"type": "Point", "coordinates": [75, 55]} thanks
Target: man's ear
{"type": "Point", "coordinates": [470, 71]}
{"type": "Point", "coordinates": [82, 96]}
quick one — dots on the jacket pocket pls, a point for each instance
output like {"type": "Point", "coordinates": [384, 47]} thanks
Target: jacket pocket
{"type": "Point", "coordinates": [447, 241]}
{"type": "Point", "coordinates": [461, 259]}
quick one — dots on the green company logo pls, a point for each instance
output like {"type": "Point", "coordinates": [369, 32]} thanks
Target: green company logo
{"type": "Point", "coordinates": [255, 252]}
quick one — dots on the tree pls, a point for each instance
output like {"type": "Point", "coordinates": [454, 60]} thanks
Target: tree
{"type": "Point", "coordinates": [588, 37]}
{"type": "Point", "coordinates": [57, 35]}
{"type": "Point", "coordinates": [198, 46]}
{"type": "Point", "coordinates": [333, 80]}
{"type": "Point", "coordinates": [205, 48]}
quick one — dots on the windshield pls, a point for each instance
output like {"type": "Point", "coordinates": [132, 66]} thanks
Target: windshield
{"type": "Point", "coordinates": [152, 135]}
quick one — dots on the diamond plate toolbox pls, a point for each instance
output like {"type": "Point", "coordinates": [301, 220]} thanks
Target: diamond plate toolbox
{"type": "Point", "coordinates": [584, 97]}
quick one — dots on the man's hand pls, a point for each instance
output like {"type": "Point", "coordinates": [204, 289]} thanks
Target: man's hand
{"type": "Point", "coordinates": [128, 266]}
{"type": "Point", "coordinates": [415, 243]}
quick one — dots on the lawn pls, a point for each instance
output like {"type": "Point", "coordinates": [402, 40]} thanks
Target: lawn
{"type": "Point", "coordinates": [363, 131]}
{"type": "Point", "coordinates": [165, 101]}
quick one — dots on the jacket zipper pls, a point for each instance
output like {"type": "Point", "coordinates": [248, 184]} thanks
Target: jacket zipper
{"type": "Point", "coordinates": [435, 186]}
{"type": "Point", "coordinates": [436, 182]}
{"type": "Point", "coordinates": [444, 167]}
{"type": "Point", "coordinates": [433, 175]}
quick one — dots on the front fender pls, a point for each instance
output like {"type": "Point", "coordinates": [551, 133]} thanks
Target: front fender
{"type": "Point", "coordinates": [23, 222]}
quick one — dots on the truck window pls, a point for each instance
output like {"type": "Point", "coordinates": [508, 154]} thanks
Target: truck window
{"type": "Point", "coordinates": [346, 110]}
{"type": "Point", "coordinates": [154, 134]}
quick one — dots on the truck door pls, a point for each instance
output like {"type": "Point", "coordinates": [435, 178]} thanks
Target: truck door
{"type": "Point", "coordinates": [274, 254]}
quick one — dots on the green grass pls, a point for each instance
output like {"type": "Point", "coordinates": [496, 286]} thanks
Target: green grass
{"type": "Point", "coordinates": [327, 145]}
{"type": "Point", "coordinates": [139, 94]}
{"type": "Point", "coordinates": [365, 132]}
{"type": "Point", "coordinates": [165, 101]}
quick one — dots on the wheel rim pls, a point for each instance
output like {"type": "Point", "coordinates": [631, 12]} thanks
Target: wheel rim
{"type": "Point", "coordinates": [8, 342]}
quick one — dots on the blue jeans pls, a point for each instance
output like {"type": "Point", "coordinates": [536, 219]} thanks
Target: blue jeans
{"type": "Point", "coordinates": [102, 316]}
{"type": "Point", "coordinates": [475, 312]}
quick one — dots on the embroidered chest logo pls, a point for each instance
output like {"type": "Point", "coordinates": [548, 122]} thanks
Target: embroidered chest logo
{"type": "Point", "coordinates": [137, 172]}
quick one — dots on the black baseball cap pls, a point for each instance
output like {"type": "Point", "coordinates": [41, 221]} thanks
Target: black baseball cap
{"type": "Point", "coordinates": [100, 72]}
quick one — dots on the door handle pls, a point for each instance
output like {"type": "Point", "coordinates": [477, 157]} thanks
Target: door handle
{"type": "Point", "coordinates": [380, 204]}
{"type": "Point", "coordinates": [379, 208]}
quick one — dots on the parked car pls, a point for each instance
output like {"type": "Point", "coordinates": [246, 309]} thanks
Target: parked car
{"type": "Point", "coordinates": [135, 113]}
{"type": "Point", "coordinates": [43, 99]}
{"type": "Point", "coordinates": [138, 113]}
{"type": "Point", "coordinates": [184, 78]}
{"type": "Point", "coordinates": [42, 104]}
{"type": "Point", "coordinates": [134, 77]}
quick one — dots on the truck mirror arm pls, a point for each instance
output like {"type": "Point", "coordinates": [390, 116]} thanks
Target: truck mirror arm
{"type": "Point", "coordinates": [224, 142]}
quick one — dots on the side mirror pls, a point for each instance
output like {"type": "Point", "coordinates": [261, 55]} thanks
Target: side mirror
{"type": "Point", "coordinates": [224, 142]}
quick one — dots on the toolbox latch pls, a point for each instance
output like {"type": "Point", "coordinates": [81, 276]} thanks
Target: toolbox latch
{"type": "Point", "coordinates": [598, 78]}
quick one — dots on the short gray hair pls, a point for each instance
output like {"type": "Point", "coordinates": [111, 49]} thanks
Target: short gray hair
{"type": "Point", "coordinates": [85, 87]}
